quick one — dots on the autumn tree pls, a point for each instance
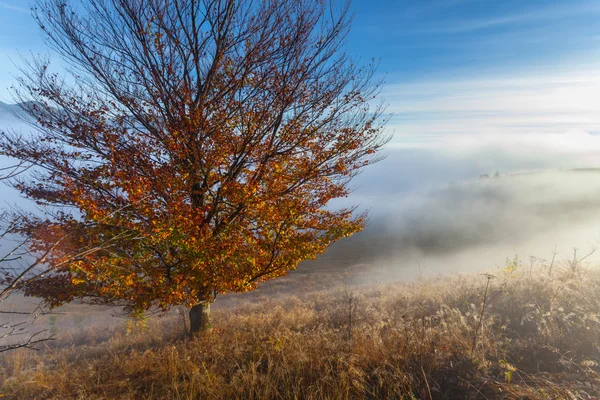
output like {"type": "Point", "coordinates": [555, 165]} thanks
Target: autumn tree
{"type": "Point", "coordinates": [191, 147]}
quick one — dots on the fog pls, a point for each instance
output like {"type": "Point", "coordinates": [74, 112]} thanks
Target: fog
{"type": "Point", "coordinates": [440, 209]}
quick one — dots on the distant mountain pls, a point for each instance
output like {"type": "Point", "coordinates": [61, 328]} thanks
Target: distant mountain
{"type": "Point", "coordinates": [9, 108]}
{"type": "Point", "coordinates": [5, 109]}
{"type": "Point", "coordinates": [9, 114]}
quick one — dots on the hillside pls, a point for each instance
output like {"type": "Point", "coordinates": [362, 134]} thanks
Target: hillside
{"type": "Point", "coordinates": [533, 334]}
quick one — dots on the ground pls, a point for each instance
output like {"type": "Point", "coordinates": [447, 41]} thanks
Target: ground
{"type": "Point", "coordinates": [306, 337]}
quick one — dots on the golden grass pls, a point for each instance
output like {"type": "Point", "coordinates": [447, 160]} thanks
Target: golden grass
{"type": "Point", "coordinates": [538, 338]}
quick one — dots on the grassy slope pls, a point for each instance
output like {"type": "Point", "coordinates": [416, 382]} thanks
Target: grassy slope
{"type": "Point", "coordinates": [538, 339]}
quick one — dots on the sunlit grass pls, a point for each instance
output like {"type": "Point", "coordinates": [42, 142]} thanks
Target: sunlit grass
{"type": "Point", "coordinates": [537, 337]}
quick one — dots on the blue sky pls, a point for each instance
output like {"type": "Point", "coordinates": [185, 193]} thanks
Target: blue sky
{"type": "Point", "coordinates": [449, 38]}
{"type": "Point", "coordinates": [496, 68]}
{"type": "Point", "coordinates": [486, 67]}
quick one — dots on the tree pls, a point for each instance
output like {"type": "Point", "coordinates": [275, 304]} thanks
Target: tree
{"type": "Point", "coordinates": [192, 148]}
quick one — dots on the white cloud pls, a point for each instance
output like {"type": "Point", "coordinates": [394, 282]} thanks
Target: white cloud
{"type": "Point", "coordinates": [551, 110]}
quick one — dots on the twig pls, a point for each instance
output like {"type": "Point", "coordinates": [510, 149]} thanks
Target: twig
{"type": "Point", "coordinates": [487, 285]}
{"type": "Point", "coordinates": [427, 383]}
{"type": "Point", "coordinates": [552, 263]}
{"type": "Point", "coordinates": [29, 344]}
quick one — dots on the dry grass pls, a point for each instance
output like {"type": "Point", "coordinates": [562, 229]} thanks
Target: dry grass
{"type": "Point", "coordinates": [538, 339]}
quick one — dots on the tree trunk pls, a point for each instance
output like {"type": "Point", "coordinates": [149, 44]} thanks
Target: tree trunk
{"type": "Point", "coordinates": [200, 317]}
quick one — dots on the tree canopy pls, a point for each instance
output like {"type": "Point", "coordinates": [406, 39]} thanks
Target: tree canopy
{"type": "Point", "coordinates": [192, 146]}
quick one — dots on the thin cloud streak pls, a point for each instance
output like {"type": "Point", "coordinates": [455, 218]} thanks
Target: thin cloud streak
{"type": "Point", "coordinates": [11, 7]}
{"type": "Point", "coordinates": [547, 13]}
{"type": "Point", "coordinates": [434, 6]}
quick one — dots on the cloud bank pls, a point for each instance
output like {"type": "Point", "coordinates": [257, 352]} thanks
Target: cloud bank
{"type": "Point", "coordinates": [431, 208]}
{"type": "Point", "coordinates": [534, 102]}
